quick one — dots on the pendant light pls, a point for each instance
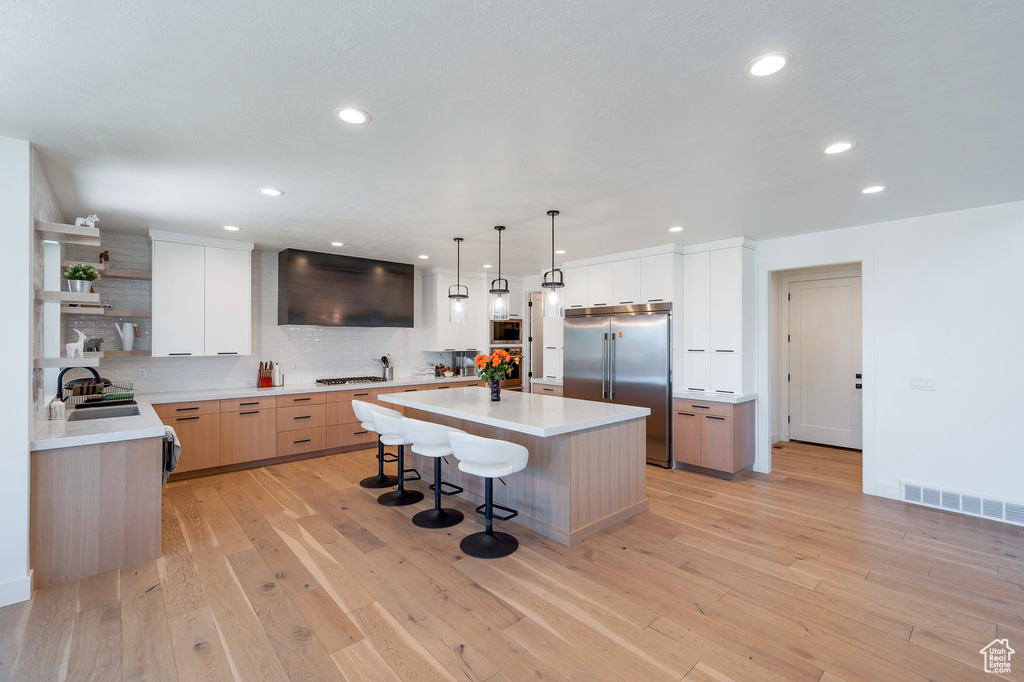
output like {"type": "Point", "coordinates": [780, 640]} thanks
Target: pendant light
{"type": "Point", "coordinates": [458, 292]}
{"type": "Point", "coordinates": [499, 287]}
{"type": "Point", "coordinates": [554, 284]}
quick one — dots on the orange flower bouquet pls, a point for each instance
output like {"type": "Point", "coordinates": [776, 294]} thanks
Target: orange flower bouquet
{"type": "Point", "coordinates": [495, 367]}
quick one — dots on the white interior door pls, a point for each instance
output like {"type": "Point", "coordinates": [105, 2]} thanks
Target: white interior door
{"type": "Point", "coordinates": [825, 361]}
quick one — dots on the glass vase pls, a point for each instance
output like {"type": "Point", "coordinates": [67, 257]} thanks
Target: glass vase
{"type": "Point", "coordinates": [495, 390]}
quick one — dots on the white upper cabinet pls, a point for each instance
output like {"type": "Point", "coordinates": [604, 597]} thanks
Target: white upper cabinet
{"type": "Point", "coordinates": [727, 300]}
{"type": "Point", "coordinates": [179, 299]}
{"type": "Point", "coordinates": [697, 372]}
{"type": "Point", "coordinates": [577, 287]}
{"type": "Point", "coordinates": [202, 296]}
{"type": "Point", "coordinates": [442, 335]}
{"type": "Point", "coordinates": [228, 302]}
{"type": "Point", "coordinates": [697, 301]}
{"type": "Point", "coordinates": [726, 373]}
{"type": "Point", "coordinates": [657, 278]}
{"type": "Point", "coordinates": [601, 284]}
{"type": "Point", "coordinates": [626, 282]}
{"type": "Point", "coordinates": [516, 300]}
{"type": "Point", "coordinates": [553, 332]}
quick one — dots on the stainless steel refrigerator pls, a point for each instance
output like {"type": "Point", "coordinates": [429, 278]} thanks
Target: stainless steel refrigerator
{"type": "Point", "coordinates": [623, 354]}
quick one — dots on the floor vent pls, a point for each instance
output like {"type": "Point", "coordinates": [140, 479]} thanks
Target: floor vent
{"type": "Point", "coordinates": [974, 505]}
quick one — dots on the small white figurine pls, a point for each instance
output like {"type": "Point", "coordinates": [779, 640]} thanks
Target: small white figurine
{"type": "Point", "coordinates": [75, 349]}
{"type": "Point", "coordinates": [87, 222]}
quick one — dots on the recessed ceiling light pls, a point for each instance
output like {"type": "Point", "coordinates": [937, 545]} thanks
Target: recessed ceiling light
{"type": "Point", "coordinates": [560, 252]}
{"type": "Point", "coordinates": [767, 64]}
{"type": "Point", "coordinates": [232, 228]}
{"type": "Point", "coordinates": [337, 244]}
{"type": "Point", "coordinates": [873, 189]}
{"type": "Point", "coordinates": [839, 147]}
{"type": "Point", "coordinates": [424, 256]}
{"type": "Point", "coordinates": [487, 265]}
{"type": "Point", "coordinates": [675, 229]}
{"type": "Point", "coordinates": [352, 115]}
{"type": "Point", "coordinates": [271, 192]}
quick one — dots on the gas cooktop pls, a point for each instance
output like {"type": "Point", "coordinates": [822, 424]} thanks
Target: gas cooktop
{"type": "Point", "coordinates": [348, 380]}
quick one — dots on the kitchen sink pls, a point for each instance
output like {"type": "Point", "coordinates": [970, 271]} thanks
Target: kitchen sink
{"type": "Point", "coordinates": [78, 415]}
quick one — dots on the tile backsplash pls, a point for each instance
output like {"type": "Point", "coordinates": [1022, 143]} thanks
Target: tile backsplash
{"type": "Point", "coordinates": [305, 353]}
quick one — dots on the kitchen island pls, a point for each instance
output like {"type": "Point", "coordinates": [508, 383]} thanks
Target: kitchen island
{"type": "Point", "coordinates": [587, 468]}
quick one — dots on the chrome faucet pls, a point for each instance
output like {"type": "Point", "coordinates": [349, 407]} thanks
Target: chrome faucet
{"type": "Point", "coordinates": [60, 378]}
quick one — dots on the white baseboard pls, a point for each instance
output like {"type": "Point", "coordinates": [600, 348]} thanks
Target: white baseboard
{"type": "Point", "coordinates": [776, 437]}
{"type": "Point", "coordinates": [14, 590]}
{"type": "Point", "coordinates": [890, 490]}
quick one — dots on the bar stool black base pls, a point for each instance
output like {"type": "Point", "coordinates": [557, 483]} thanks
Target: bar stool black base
{"type": "Point", "coordinates": [379, 481]}
{"type": "Point", "coordinates": [486, 545]}
{"type": "Point", "coordinates": [438, 518]}
{"type": "Point", "coordinates": [400, 498]}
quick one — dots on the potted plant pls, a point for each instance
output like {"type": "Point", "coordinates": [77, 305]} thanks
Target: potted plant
{"type": "Point", "coordinates": [493, 368]}
{"type": "Point", "coordinates": [80, 278]}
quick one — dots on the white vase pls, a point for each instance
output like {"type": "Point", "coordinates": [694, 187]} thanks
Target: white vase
{"type": "Point", "coordinates": [127, 333]}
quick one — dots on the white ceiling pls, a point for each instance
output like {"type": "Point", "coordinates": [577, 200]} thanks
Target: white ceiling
{"type": "Point", "coordinates": [629, 116]}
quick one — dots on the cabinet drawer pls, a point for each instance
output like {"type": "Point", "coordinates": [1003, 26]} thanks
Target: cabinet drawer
{"type": "Point", "coordinates": [248, 435]}
{"type": "Point", "coordinates": [301, 399]}
{"type": "Point", "coordinates": [702, 407]}
{"type": "Point", "coordinates": [302, 440]}
{"type": "Point", "coordinates": [301, 417]}
{"type": "Point", "coordinates": [200, 440]}
{"type": "Point", "coordinates": [544, 389]}
{"type": "Point", "coordinates": [340, 413]}
{"type": "Point", "coordinates": [240, 404]}
{"type": "Point", "coordinates": [343, 435]}
{"type": "Point", "coordinates": [686, 436]}
{"type": "Point", "coordinates": [187, 409]}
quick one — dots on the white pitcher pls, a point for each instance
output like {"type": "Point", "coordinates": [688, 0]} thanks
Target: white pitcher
{"type": "Point", "coordinates": [127, 333]}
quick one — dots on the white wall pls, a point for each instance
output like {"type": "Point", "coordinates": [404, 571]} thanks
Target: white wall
{"type": "Point", "coordinates": [943, 300]}
{"type": "Point", "coordinates": [16, 371]}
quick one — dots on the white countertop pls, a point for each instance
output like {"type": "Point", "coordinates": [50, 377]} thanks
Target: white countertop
{"type": "Point", "coordinates": [547, 382]}
{"type": "Point", "coordinates": [289, 389]}
{"type": "Point", "coordinates": [48, 435]}
{"type": "Point", "coordinates": [715, 397]}
{"type": "Point", "coordinates": [537, 415]}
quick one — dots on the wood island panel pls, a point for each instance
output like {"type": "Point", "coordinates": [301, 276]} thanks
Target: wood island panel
{"type": "Point", "coordinates": [94, 508]}
{"type": "Point", "coordinates": [575, 484]}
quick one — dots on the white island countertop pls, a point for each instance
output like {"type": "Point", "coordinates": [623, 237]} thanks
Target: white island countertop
{"type": "Point", "coordinates": [537, 415]}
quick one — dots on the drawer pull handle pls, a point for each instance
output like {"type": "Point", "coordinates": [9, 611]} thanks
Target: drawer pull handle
{"type": "Point", "coordinates": [721, 391]}
{"type": "Point", "coordinates": [185, 409]}
{"type": "Point", "coordinates": [686, 414]}
{"type": "Point", "coordinates": [655, 300]}
{"type": "Point", "coordinates": [299, 400]}
{"type": "Point", "coordinates": [624, 302]}
{"type": "Point", "coordinates": [410, 390]}
{"type": "Point", "coordinates": [700, 407]}
{"type": "Point", "coordinates": [359, 433]}
{"type": "Point", "coordinates": [724, 350]}
{"type": "Point", "coordinates": [185, 419]}
{"type": "Point", "coordinates": [694, 388]}
{"type": "Point", "coordinates": [578, 305]}
{"type": "Point", "coordinates": [304, 440]}
{"type": "Point", "coordinates": [708, 416]}
{"type": "Point", "coordinates": [179, 354]}
{"type": "Point", "coordinates": [230, 352]}
{"type": "Point", "coordinates": [694, 350]}
{"type": "Point", "coordinates": [250, 412]}
{"type": "Point", "coordinates": [307, 416]}
{"type": "Point", "coordinates": [360, 395]}
{"type": "Point", "coordinates": [247, 404]}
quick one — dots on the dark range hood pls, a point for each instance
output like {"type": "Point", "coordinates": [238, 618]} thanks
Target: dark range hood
{"type": "Point", "coordinates": [328, 290]}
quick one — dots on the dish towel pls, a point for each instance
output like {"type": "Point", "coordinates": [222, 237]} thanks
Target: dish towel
{"type": "Point", "coordinates": [172, 449]}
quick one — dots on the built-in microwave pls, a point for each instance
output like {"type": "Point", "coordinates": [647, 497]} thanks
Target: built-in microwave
{"type": "Point", "coordinates": [506, 331]}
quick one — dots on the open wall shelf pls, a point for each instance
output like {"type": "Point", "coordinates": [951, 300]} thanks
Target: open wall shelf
{"type": "Point", "coordinates": [66, 297]}
{"type": "Point", "coordinates": [106, 312]}
{"type": "Point", "coordinates": [111, 273]}
{"type": "Point", "coordinates": [68, 234]}
{"type": "Point", "coordinates": [90, 360]}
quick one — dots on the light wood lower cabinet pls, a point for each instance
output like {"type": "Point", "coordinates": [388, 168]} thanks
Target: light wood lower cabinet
{"type": "Point", "coordinates": [301, 417]}
{"type": "Point", "coordinates": [199, 435]}
{"type": "Point", "coordinates": [248, 436]}
{"type": "Point", "coordinates": [546, 389]}
{"type": "Point", "coordinates": [716, 436]}
{"type": "Point", "coordinates": [303, 440]}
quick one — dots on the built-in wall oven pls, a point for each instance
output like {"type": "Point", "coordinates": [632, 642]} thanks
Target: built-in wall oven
{"type": "Point", "coordinates": [514, 381]}
{"type": "Point", "coordinates": [506, 331]}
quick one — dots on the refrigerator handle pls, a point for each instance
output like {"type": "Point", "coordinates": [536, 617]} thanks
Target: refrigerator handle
{"type": "Point", "coordinates": [604, 365]}
{"type": "Point", "coordinates": [611, 370]}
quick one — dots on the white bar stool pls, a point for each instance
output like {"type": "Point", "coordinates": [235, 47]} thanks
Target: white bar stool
{"type": "Point", "coordinates": [431, 440]}
{"type": "Point", "coordinates": [490, 459]}
{"type": "Point", "coordinates": [389, 426]}
{"type": "Point", "coordinates": [363, 410]}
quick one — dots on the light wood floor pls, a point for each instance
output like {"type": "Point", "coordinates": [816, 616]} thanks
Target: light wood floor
{"type": "Point", "coordinates": [294, 573]}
